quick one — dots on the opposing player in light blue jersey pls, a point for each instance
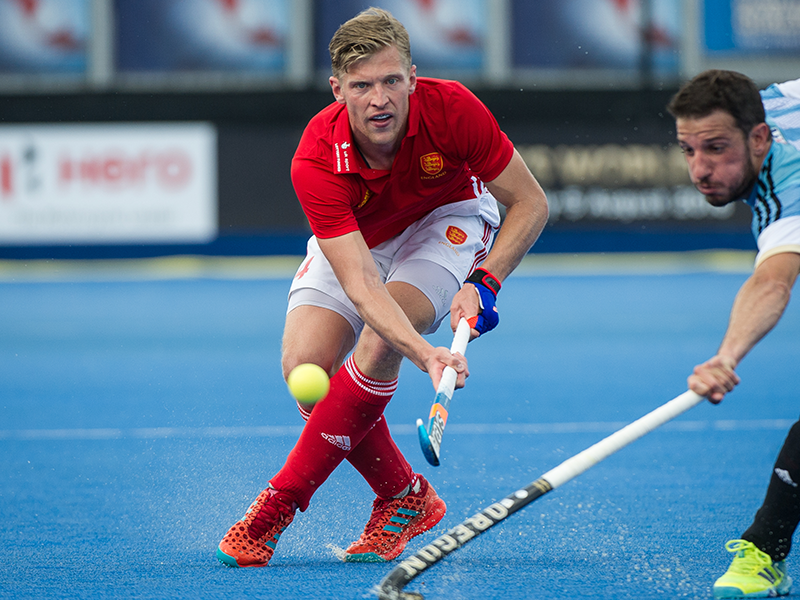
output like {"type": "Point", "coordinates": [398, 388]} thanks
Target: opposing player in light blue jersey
{"type": "Point", "coordinates": [737, 151]}
{"type": "Point", "coordinates": [782, 104]}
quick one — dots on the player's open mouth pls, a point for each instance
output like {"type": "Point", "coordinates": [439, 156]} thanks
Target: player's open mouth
{"type": "Point", "coordinates": [381, 118]}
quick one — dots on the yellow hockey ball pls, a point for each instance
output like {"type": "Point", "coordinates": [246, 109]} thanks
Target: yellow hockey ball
{"type": "Point", "coordinates": [308, 383]}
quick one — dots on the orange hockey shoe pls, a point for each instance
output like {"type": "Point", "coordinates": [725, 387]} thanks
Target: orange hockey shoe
{"type": "Point", "coordinates": [251, 541]}
{"type": "Point", "coordinates": [395, 521]}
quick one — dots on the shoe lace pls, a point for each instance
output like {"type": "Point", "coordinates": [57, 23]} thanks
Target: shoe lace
{"type": "Point", "coordinates": [381, 512]}
{"type": "Point", "coordinates": [749, 559]}
{"type": "Point", "coordinates": [274, 510]}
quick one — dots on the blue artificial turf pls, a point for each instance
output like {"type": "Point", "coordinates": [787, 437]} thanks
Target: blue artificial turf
{"type": "Point", "coordinates": [140, 419]}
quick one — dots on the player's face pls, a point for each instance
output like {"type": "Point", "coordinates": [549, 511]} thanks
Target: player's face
{"type": "Point", "coordinates": [722, 164]}
{"type": "Point", "coordinates": [376, 92]}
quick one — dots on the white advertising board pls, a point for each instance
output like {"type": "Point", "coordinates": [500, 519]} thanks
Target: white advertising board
{"type": "Point", "coordinates": [108, 184]}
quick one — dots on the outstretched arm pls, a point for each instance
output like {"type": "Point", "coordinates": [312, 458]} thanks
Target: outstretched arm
{"type": "Point", "coordinates": [757, 308]}
{"type": "Point", "coordinates": [355, 269]}
{"type": "Point", "coordinates": [526, 214]}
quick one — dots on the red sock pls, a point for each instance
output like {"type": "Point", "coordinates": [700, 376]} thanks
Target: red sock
{"type": "Point", "coordinates": [378, 459]}
{"type": "Point", "coordinates": [381, 463]}
{"type": "Point", "coordinates": [337, 425]}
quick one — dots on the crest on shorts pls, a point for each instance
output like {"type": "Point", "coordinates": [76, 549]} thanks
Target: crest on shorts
{"type": "Point", "coordinates": [431, 163]}
{"type": "Point", "coordinates": [455, 235]}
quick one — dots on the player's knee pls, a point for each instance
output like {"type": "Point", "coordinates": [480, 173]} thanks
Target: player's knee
{"type": "Point", "coordinates": [328, 352]}
{"type": "Point", "coordinates": [290, 360]}
{"type": "Point", "coordinates": [371, 346]}
{"type": "Point", "coordinates": [287, 365]}
{"type": "Point", "coordinates": [375, 358]}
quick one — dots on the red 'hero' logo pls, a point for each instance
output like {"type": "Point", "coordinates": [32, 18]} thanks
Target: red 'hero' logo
{"type": "Point", "coordinates": [6, 181]}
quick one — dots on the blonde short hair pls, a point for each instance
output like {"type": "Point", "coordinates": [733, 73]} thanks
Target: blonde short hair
{"type": "Point", "coordinates": [369, 32]}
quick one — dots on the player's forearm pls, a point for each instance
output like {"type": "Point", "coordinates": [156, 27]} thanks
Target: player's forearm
{"type": "Point", "coordinates": [526, 216]}
{"type": "Point", "coordinates": [521, 228]}
{"type": "Point", "coordinates": [758, 307]}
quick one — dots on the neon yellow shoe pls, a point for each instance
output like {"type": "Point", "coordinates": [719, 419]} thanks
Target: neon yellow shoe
{"type": "Point", "coordinates": [752, 574]}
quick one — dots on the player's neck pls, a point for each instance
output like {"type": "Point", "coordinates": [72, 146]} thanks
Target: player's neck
{"type": "Point", "coordinates": [378, 157]}
{"type": "Point", "coordinates": [379, 151]}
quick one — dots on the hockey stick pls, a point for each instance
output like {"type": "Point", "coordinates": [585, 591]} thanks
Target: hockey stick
{"type": "Point", "coordinates": [391, 588]}
{"type": "Point", "coordinates": [430, 439]}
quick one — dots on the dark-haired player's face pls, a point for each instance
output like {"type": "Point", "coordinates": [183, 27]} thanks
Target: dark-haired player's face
{"type": "Point", "coordinates": [722, 164]}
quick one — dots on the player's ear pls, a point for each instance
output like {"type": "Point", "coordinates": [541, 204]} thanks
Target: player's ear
{"type": "Point", "coordinates": [760, 138]}
{"type": "Point", "coordinates": [412, 79]}
{"type": "Point", "coordinates": [336, 88]}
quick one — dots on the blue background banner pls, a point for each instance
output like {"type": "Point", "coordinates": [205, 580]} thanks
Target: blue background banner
{"type": "Point", "coordinates": [445, 34]}
{"type": "Point", "coordinates": [611, 34]}
{"type": "Point", "coordinates": [175, 35]}
{"type": "Point", "coordinates": [756, 27]}
{"type": "Point", "coordinates": [44, 37]}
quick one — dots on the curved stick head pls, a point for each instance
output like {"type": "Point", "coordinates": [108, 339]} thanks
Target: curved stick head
{"type": "Point", "coordinates": [425, 443]}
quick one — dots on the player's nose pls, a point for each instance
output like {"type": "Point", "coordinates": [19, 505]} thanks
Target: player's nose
{"type": "Point", "coordinates": [700, 167]}
{"type": "Point", "coordinates": [379, 96]}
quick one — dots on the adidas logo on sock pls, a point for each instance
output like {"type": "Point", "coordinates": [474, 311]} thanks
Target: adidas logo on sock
{"type": "Point", "coordinates": [340, 441]}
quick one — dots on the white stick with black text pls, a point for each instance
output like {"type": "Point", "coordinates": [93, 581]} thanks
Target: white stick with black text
{"type": "Point", "coordinates": [391, 588]}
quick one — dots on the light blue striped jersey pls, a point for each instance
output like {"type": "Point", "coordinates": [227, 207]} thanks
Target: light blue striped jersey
{"type": "Point", "coordinates": [783, 113]}
{"type": "Point", "coordinates": [777, 193]}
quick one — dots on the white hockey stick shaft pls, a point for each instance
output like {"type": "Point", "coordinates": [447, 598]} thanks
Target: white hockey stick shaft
{"type": "Point", "coordinates": [447, 385]}
{"type": "Point", "coordinates": [572, 467]}
{"type": "Point", "coordinates": [391, 588]}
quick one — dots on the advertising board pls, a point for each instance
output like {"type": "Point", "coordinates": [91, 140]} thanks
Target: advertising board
{"type": "Point", "coordinates": [108, 184]}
